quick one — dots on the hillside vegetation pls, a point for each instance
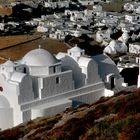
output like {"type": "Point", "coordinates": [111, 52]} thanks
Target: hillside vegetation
{"type": "Point", "coordinates": [4, 10]}
{"type": "Point", "coordinates": [110, 118]}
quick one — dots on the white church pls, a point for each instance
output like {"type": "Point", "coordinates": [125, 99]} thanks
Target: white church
{"type": "Point", "coordinates": [41, 84]}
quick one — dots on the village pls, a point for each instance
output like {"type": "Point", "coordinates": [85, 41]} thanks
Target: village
{"type": "Point", "coordinates": [101, 56]}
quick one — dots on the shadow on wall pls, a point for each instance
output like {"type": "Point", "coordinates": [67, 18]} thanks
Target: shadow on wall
{"type": "Point", "coordinates": [130, 75]}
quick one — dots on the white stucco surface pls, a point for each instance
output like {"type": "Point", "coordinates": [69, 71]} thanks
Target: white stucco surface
{"type": "Point", "coordinates": [39, 57]}
{"type": "Point", "coordinates": [42, 84]}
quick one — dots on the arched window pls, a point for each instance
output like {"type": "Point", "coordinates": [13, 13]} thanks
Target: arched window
{"type": "Point", "coordinates": [57, 80]}
{"type": "Point", "coordinates": [112, 82]}
{"type": "Point", "coordinates": [54, 69]}
{"type": "Point", "coordinates": [24, 70]}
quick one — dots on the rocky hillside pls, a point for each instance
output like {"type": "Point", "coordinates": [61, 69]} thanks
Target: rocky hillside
{"type": "Point", "coordinates": [111, 118]}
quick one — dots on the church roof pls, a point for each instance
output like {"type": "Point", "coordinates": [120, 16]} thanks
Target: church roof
{"type": "Point", "coordinates": [9, 63]}
{"type": "Point", "coordinates": [84, 61]}
{"type": "Point", "coordinates": [17, 77]}
{"type": "Point", "coordinates": [39, 57]}
{"type": "Point", "coordinates": [105, 65]}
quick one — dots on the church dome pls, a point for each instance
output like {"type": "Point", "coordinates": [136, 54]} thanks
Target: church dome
{"type": "Point", "coordinates": [76, 49]}
{"type": "Point", "coordinates": [39, 57]}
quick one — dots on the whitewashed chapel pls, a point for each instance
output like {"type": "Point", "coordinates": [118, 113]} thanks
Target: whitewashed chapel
{"type": "Point", "coordinates": [41, 84]}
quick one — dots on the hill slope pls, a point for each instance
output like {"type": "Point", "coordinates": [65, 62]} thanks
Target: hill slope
{"type": "Point", "coordinates": [110, 118]}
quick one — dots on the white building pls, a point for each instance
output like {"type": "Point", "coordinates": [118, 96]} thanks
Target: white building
{"type": "Point", "coordinates": [41, 84]}
{"type": "Point", "coordinates": [103, 35]}
{"type": "Point", "coordinates": [115, 47]}
{"type": "Point", "coordinates": [137, 10]}
{"type": "Point", "coordinates": [129, 7]}
{"type": "Point", "coordinates": [97, 8]}
{"type": "Point", "coordinates": [99, 36]}
{"type": "Point", "coordinates": [124, 38]}
{"type": "Point", "coordinates": [132, 18]}
{"type": "Point", "coordinates": [2, 26]}
{"type": "Point", "coordinates": [110, 21]}
{"type": "Point", "coordinates": [134, 48]}
{"type": "Point", "coordinates": [42, 29]}
{"type": "Point", "coordinates": [88, 2]}
{"type": "Point", "coordinates": [58, 34]}
{"type": "Point", "coordinates": [132, 7]}
{"type": "Point", "coordinates": [59, 4]}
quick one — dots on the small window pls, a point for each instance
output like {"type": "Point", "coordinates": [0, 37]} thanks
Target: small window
{"type": "Point", "coordinates": [54, 69]}
{"type": "Point", "coordinates": [24, 70]}
{"type": "Point", "coordinates": [112, 82]}
{"type": "Point", "coordinates": [57, 80]}
{"type": "Point", "coordinates": [1, 89]}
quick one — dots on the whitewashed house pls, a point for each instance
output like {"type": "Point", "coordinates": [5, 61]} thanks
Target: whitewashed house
{"type": "Point", "coordinates": [134, 48]}
{"type": "Point", "coordinates": [58, 34]}
{"type": "Point", "coordinates": [58, 4]}
{"type": "Point", "coordinates": [88, 12]}
{"type": "Point", "coordinates": [137, 10]}
{"type": "Point", "coordinates": [76, 33]}
{"type": "Point", "coordinates": [74, 15]}
{"type": "Point", "coordinates": [87, 2]}
{"type": "Point", "coordinates": [124, 38]}
{"type": "Point", "coordinates": [2, 25]}
{"type": "Point", "coordinates": [115, 47]}
{"type": "Point", "coordinates": [100, 14]}
{"type": "Point", "coordinates": [31, 4]}
{"type": "Point", "coordinates": [103, 35]}
{"type": "Point", "coordinates": [134, 37]}
{"type": "Point", "coordinates": [99, 36]}
{"type": "Point", "coordinates": [132, 7]}
{"type": "Point", "coordinates": [110, 21]}
{"type": "Point", "coordinates": [42, 29]}
{"type": "Point", "coordinates": [41, 85]}
{"type": "Point", "coordinates": [132, 18]}
{"type": "Point", "coordinates": [97, 8]}
{"type": "Point", "coordinates": [129, 7]}
{"type": "Point", "coordinates": [53, 35]}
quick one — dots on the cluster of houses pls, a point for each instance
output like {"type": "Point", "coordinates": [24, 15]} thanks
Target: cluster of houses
{"type": "Point", "coordinates": [132, 7]}
{"type": "Point", "coordinates": [75, 19]}
{"type": "Point", "coordinates": [124, 26]}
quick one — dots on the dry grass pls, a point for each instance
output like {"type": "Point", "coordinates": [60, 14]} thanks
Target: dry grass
{"type": "Point", "coordinates": [6, 41]}
{"type": "Point", "coordinates": [4, 10]}
{"type": "Point", "coordinates": [18, 51]}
